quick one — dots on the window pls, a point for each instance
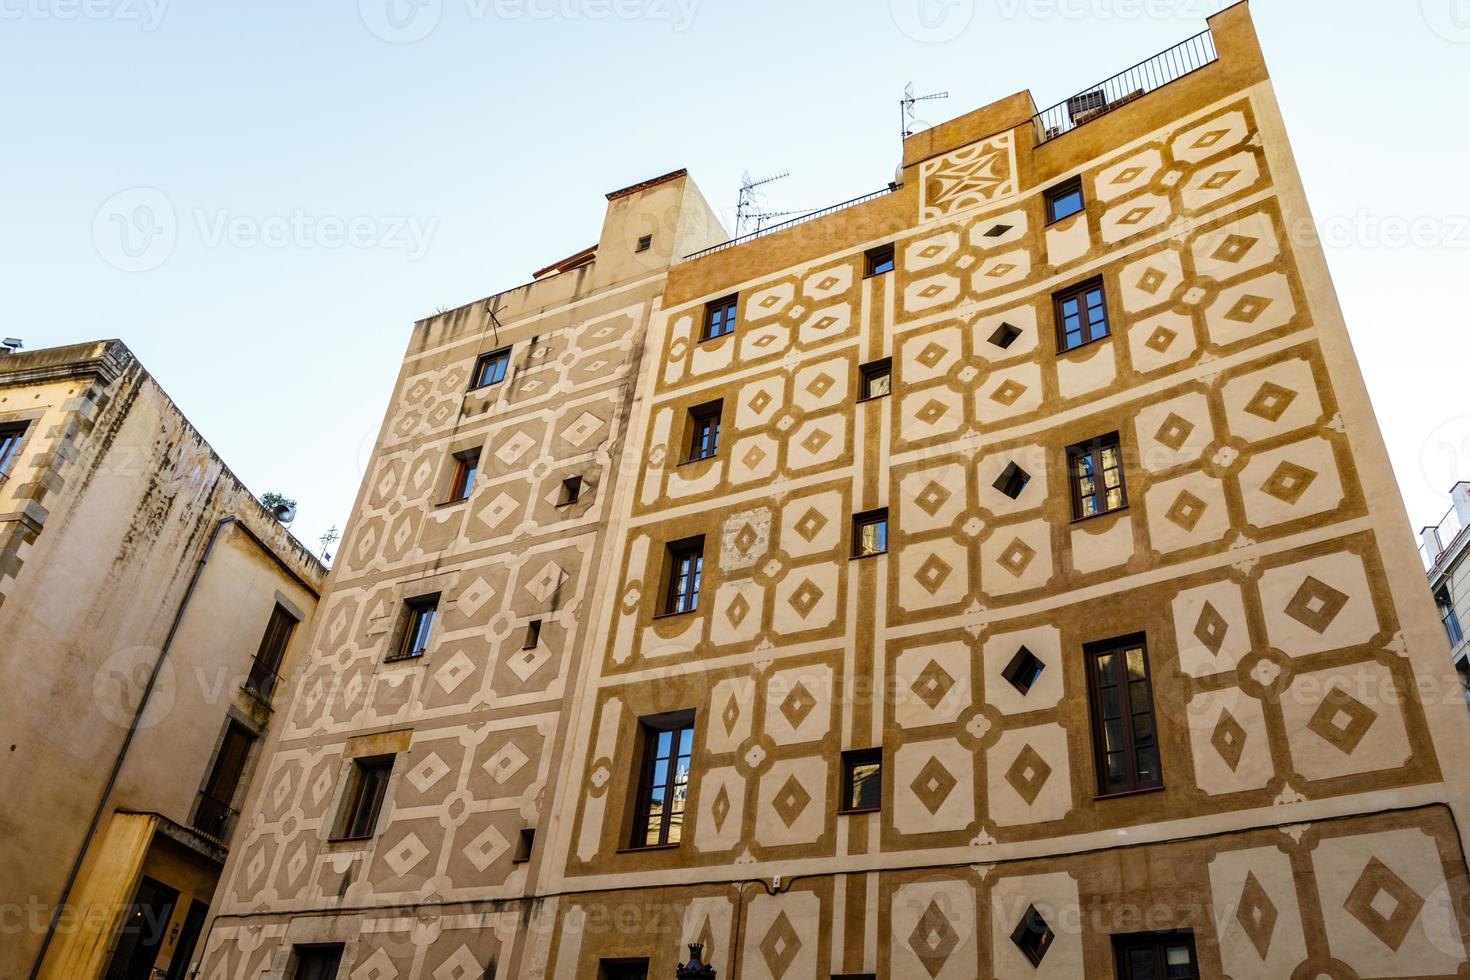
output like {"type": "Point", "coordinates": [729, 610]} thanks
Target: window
{"type": "Point", "coordinates": [418, 628]}
{"type": "Point", "coordinates": [571, 491]}
{"type": "Point", "coordinates": [490, 368]}
{"type": "Point", "coordinates": [1082, 315]}
{"type": "Point", "coordinates": [870, 533]}
{"type": "Point", "coordinates": [1024, 670]}
{"type": "Point", "coordinates": [719, 318]}
{"type": "Point", "coordinates": [213, 814]}
{"type": "Point", "coordinates": [1157, 956]}
{"type": "Point", "coordinates": [704, 431]}
{"type": "Point", "coordinates": [668, 744]}
{"type": "Point", "coordinates": [265, 668]}
{"type": "Point", "coordinates": [645, 243]}
{"type": "Point", "coordinates": [862, 780]}
{"type": "Point", "coordinates": [877, 379]}
{"type": "Point", "coordinates": [622, 970]}
{"type": "Point", "coordinates": [1033, 936]}
{"type": "Point", "coordinates": [880, 260]}
{"type": "Point", "coordinates": [1064, 200]}
{"type": "Point", "coordinates": [1005, 335]}
{"type": "Point", "coordinates": [524, 846]}
{"type": "Point", "coordinates": [10, 440]}
{"type": "Point", "coordinates": [1449, 617]}
{"type": "Point", "coordinates": [364, 800]}
{"type": "Point", "coordinates": [1096, 469]}
{"type": "Point", "coordinates": [1124, 743]}
{"type": "Point", "coordinates": [533, 635]}
{"type": "Point", "coordinates": [317, 962]}
{"type": "Point", "coordinates": [466, 465]}
{"type": "Point", "coordinates": [686, 566]}
{"type": "Point", "coordinates": [1012, 480]}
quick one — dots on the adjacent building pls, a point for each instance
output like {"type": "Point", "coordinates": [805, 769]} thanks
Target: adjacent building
{"type": "Point", "coordinates": [1443, 547]}
{"type": "Point", "coordinates": [149, 607]}
{"type": "Point", "coordinates": [999, 576]}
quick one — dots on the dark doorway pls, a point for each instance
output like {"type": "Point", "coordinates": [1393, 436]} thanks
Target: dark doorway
{"type": "Point", "coordinates": [178, 967]}
{"type": "Point", "coordinates": [143, 930]}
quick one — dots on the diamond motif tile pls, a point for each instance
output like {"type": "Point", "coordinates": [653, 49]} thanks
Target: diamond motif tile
{"type": "Point", "coordinates": [1209, 139]}
{"type": "Point", "coordinates": [932, 497]}
{"type": "Point", "coordinates": [1270, 401]}
{"type": "Point", "coordinates": [827, 283]}
{"type": "Point", "coordinates": [1234, 248]}
{"type": "Point", "coordinates": [731, 715]}
{"type": "Point", "coordinates": [1174, 431]}
{"type": "Point", "coordinates": [1128, 175]}
{"type": "Point", "coordinates": [1288, 482]}
{"type": "Point", "coordinates": [815, 440]}
{"type": "Point", "coordinates": [546, 581]}
{"type": "Point", "coordinates": [505, 763]}
{"type": "Point", "coordinates": [1316, 604]}
{"type": "Point", "coordinates": [462, 965]}
{"type": "Point", "coordinates": [1028, 774]}
{"type": "Point", "coordinates": [933, 939]}
{"type": "Point", "coordinates": [780, 946]}
{"type": "Point", "coordinates": [1186, 510]}
{"type": "Point", "coordinates": [720, 808]}
{"type": "Point", "coordinates": [933, 785]}
{"type": "Point", "coordinates": [1219, 180]}
{"type": "Point", "coordinates": [486, 849]}
{"type": "Point", "coordinates": [931, 291]}
{"type": "Point", "coordinates": [820, 385]}
{"type": "Point", "coordinates": [930, 251]}
{"type": "Point", "coordinates": [1017, 557]}
{"type": "Point", "coordinates": [746, 537]}
{"type": "Point", "coordinates": [791, 800]}
{"type": "Point", "coordinates": [1135, 215]}
{"type": "Point", "coordinates": [514, 448]}
{"type": "Point", "coordinates": [933, 573]}
{"type": "Point", "coordinates": [932, 412]}
{"type": "Point", "coordinates": [409, 852]}
{"type": "Point", "coordinates": [1210, 628]}
{"type": "Point", "coordinates": [1248, 309]}
{"type": "Point", "coordinates": [1001, 269]}
{"type": "Point", "coordinates": [582, 429]}
{"type": "Point", "coordinates": [931, 355]}
{"type": "Point", "coordinates": [811, 524]}
{"type": "Point", "coordinates": [753, 457]}
{"type": "Point", "coordinates": [454, 671]}
{"type": "Point", "coordinates": [1151, 280]}
{"type": "Point", "coordinates": [1229, 739]}
{"type": "Point", "coordinates": [797, 705]}
{"type": "Point", "coordinates": [1161, 339]}
{"type": "Point", "coordinates": [1342, 720]}
{"type": "Point", "coordinates": [1384, 903]}
{"type": "Point", "coordinates": [1007, 392]}
{"type": "Point", "coordinates": [427, 773]}
{"type": "Point", "coordinates": [932, 684]}
{"type": "Point", "coordinates": [805, 598]}
{"type": "Point", "coordinates": [1256, 914]}
{"type": "Point", "coordinates": [759, 401]}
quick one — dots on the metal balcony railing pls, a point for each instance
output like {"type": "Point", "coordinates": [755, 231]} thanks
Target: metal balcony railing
{"type": "Point", "coordinates": [1144, 77]}
{"type": "Point", "coordinates": [214, 817]}
{"type": "Point", "coordinates": [261, 683]}
{"type": "Point", "coordinates": [1437, 539]}
{"type": "Point", "coordinates": [787, 224]}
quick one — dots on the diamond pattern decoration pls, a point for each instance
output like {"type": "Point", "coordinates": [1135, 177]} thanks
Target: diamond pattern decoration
{"type": "Point", "coordinates": [506, 763]}
{"type": "Point", "coordinates": [731, 715]}
{"type": "Point", "coordinates": [1017, 557]}
{"type": "Point", "coordinates": [933, 785]}
{"type": "Point", "coordinates": [1248, 309]}
{"type": "Point", "coordinates": [1209, 139]}
{"type": "Point", "coordinates": [815, 440]}
{"type": "Point", "coordinates": [720, 809]}
{"type": "Point", "coordinates": [1316, 604]}
{"type": "Point", "coordinates": [933, 939]}
{"type": "Point", "coordinates": [1160, 340]}
{"type": "Point", "coordinates": [1151, 280]}
{"type": "Point", "coordinates": [1186, 510]}
{"type": "Point", "coordinates": [546, 581]}
{"type": "Point", "coordinates": [780, 946]}
{"type": "Point", "coordinates": [409, 852]}
{"type": "Point", "coordinates": [1210, 628]}
{"type": "Point", "coordinates": [737, 610]}
{"type": "Point", "coordinates": [1256, 914]}
{"type": "Point", "coordinates": [1007, 392]}
{"type": "Point", "coordinates": [427, 773]}
{"type": "Point", "coordinates": [932, 412]}
{"type": "Point", "coordinates": [1028, 774]}
{"type": "Point", "coordinates": [1219, 180]}
{"type": "Point", "coordinates": [1128, 175]}
{"type": "Point", "coordinates": [791, 801]}
{"type": "Point", "coordinates": [1234, 248]}
{"type": "Point", "coordinates": [462, 965]}
{"type": "Point", "coordinates": [1342, 720]}
{"type": "Point", "coordinates": [797, 705]}
{"type": "Point", "coordinates": [1229, 739]}
{"type": "Point", "coordinates": [486, 849]}
{"type": "Point", "coordinates": [582, 429]}
{"type": "Point", "coordinates": [811, 524]}
{"type": "Point", "coordinates": [1270, 401]}
{"type": "Point", "coordinates": [932, 684]}
{"type": "Point", "coordinates": [931, 355]}
{"type": "Point", "coordinates": [1134, 216]}
{"type": "Point", "coordinates": [1288, 482]}
{"type": "Point", "coordinates": [933, 573]}
{"type": "Point", "coordinates": [820, 385]}
{"type": "Point", "coordinates": [1384, 903]}
{"type": "Point", "coordinates": [932, 497]}
{"type": "Point", "coordinates": [805, 598]}
{"type": "Point", "coordinates": [753, 457]}
{"type": "Point", "coordinates": [759, 401]}
{"type": "Point", "coordinates": [1174, 431]}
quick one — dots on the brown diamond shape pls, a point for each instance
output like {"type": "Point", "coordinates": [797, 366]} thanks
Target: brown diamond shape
{"type": "Point", "coordinates": [929, 251]}
{"type": "Point", "coordinates": [1316, 604]}
{"type": "Point", "coordinates": [1233, 248]}
{"type": "Point", "coordinates": [932, 497]}
{"type": "Point", "coordinates": [746, 537]}
{"type": "Point", "coordinates": [1209, 139]}
{"type": "Point", "coordinates": [932, 412]}
{"type": "Point", "coordinates": [1017, 557]}
{"type": "Point", "coordinates": [1229, 739]}
{"type": "Point", "coordinates": [1028, 774]}
{"type": "Point", "coordinates": [933, 939]}
{"type": "Point", "coordinates": [720, 809]}
{"type": "Point", "coordinates": [931, 355]}
{"type": "Point", "coordinates": [1151, 280]}
{"type": "Point", "coordinates": [1270, 401]}
{"type": "Point", "coordinates": [753, 457]}
{"type": "Point", "coordinates": [933, 573]}
{"type": "Point", "coordinates": [933, 785]}
{"type": "Point", "coordinates": [759, 402]}
{"type": "Point", "coordinates": [1211, 628]}
{"type": "Point", "coordinates": [792, 799]}
{"type": "Point", "coordinates": [731, 714]}
{"type": "Point", "coordinates": [815, 440]}
{"type": "Point", "coordinates": [1186, 511]}
{"type": "Point", "coordinates": [1174, 431]}
{"type": "Point", "coordinates": [737, 610]}
{"type": "Point", "coordinates": [1007, 392]}
{"type": "Point", "coordinates": [1288, 482]}
{"type": "Point", "coordinates": [1342, 720]}
{"type": "Point", "coordinates": [805, 598]}
{"type": "Point", "coordinates": [780, 946]}
{"type": "Point", "coordinates": [797, 705]}
{"type": "Point", "coordinates": [1160, 339]}
{"type": "Point", "coordinates": [1376, 886]}
{"type": "Point", "coordinates": [932, 684]}
{"type": "Point", "coordinates": [820, 385]}
{"type": "Point", "coordinates": [1248, 308]}
{"type": "Point", "coordinates": [824, 323]}
{"type": "Point", "coordinates": [929, 292]}
{"type": "Point", "coordinates": [1220, 179]}
{"type": "Point", "coordinates": [1003, 269]}
{"type": "Point", "coordinates": [1256, 914]}
{"type": "Point", "coordinates": [1128, 176]}
{"type": "Point", "coordinates": [827, 283]}
{"type": "Point", "coordinates": [1135, 216]}
{"type": "Point", "coordinates": [811, 524]}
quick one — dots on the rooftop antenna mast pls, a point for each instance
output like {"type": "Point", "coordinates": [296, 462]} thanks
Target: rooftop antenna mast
{"type": "Point", "coordinates": [327, 539]}
{"type": "Point", "coordinates": [749, 210]}
{"type": "Point", "coordinates": [908, 119]}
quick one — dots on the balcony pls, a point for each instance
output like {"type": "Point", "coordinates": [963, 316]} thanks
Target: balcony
{"type": "Point", "coordinates": [1124, 87]}
{"type": "Point", "coordinates": [214, 818]}
{"type": "Point", "coordinates": [1439, 539]}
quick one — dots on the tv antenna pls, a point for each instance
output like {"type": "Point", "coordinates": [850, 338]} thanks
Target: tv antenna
{"type": "Point", "coordinates": [750, 209]}
{"type": "Point", "coordinates": [492, 305]}
{"type": "Point", "coordinates": [327, 540]}
{"type": "Point", "coordinates": [908, 119]}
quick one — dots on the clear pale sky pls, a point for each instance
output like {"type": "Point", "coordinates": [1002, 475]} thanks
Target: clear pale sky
{"type": "Point", "coordinates": [298, 182]}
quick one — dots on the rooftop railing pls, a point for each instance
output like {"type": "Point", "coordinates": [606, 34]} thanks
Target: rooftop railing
{"type": "Point", "coordinates": [1144, 77]}
{"type": "Point", "coordinates": [1437, 539]}
{"type": "Point", "coordinates": [771, 230]}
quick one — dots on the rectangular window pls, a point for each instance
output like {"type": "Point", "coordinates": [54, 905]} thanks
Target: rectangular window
{"type": "Point", "coordinates": [1082, 315]}
{"type": "Point", "coordinates": [10, 440]}
{"type": "Point", "coordinates": [1156, 956]}
{"type": "Point", "coordinates": [879, 260]}
{"type": "Point", "coordinates": [524, 846]}
{"type": "Point", "coordinates": [668, 745]}
{"type": "Point", "coordinates": [645, 243]}
{"type": "Point", "coordinates": [862, 780]}
{"type": "Point", "coordinates": [533, 635]}
{"type": "Point", "coordinates": [418, 627]}
{"type": "Point", "coordinates": [317, 962]}
{"type": "Point", "coordinates": [1096, 470]}
{"type": "Point", "coordinates": [571, 491]}
{"type": "Point", "coordinates": [877, 379]}
{"type": "Point", "coordinates": [686, 567]}
{"type": "Point", "coordinates": [1125, 745]}
{"type": "Point", "coordinates": [704, 431]}
{"type": "Point", "coordinates": [490, 368]}
{"type": "Point", "coordinates": [870, 533]}
{"type": "Point", "coordinates": [215, 812]}
{"type": "Point", "coordinates": [265, 669]}
{"type": "Point", "coordinates": [1064, 200]}
{"type": "Point", "coordinates": [719, 317]}
{"type": "Point", "coordinates": [462, 482]}
{"type": "Point", "coordinates": [622, 970]}
{"type": "Point", "coordinates": [364, 800]}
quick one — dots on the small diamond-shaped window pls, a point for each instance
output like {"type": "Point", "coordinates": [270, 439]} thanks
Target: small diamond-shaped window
{"type": "Point", "coordinates": [1005, 335]}
{"type": "Point", "coordinates": [1024, 670]}
{"type": "Point", "coordinates": [1012, 481]}
{"type": "Point", "coordinates": [997, 230]}
{"type": "Point", "coordinates": [1033, 936]}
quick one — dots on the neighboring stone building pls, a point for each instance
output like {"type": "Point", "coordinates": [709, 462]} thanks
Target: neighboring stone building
{"type": "Point", "coordinates": [1445, 546]}
{"type": "Point", "coordinates": [126, 546]}
{"type": "Point", "coordinates": [1003, 577]}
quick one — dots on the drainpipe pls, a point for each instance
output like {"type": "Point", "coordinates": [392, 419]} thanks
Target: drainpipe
{"type": "Point", "coordinates": [76, 865]}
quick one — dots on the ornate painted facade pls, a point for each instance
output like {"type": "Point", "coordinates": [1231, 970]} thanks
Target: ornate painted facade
{"type": "Point", "coordinates": [1304, 824]}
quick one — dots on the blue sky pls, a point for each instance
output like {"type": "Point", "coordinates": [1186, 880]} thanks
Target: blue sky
{"type": "Point", "coordinates": [333, 170]}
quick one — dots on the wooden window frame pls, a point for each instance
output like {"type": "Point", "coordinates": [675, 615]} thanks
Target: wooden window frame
{"type": "Point", "coordinates": [700, 416]}
{"type": "Point", "coordinates": [720, 318]}
{"type": "Point", "coordinates": [12, 437]}
{"type": "Point", "coordinates": [362, 804]}
{"type": "Point", "coordinates": [1159, 943]}
{"type": "Point", "coordinates": [676, 724]}
{"type": "Point", "coordinates": [416, 608]}
{"type": "Point", "coordinates": [214, 811]}
{"type": "Point", "coordinates": [1120, 646]}
{"type": "Point", "coordinates": [1079, 292]}
{"type": "Point", "coordinates": [676, 553]}
{"type": "Point", "coordinates": [868, 519]}
{"type": "Point", "coordinates": [477, 379]}
{"type": "Point", "coordinates": [851, 759]}
{"type": "Point", "coordinates": [1065, 189]}
{"type": "Point", "coordinates": [265, 668]}
{"type": "Point", "coordinates": [875, 257]}
{"type": "Point", "coordinates": [870, 372]}
{"type": "Point", "coordinates": [466, 470]}
{"type": "Point", "coordinates": [1095, 448]}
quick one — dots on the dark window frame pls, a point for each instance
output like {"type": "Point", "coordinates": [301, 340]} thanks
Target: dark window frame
{"type": "Point", "coordinates": [1157, 942]}
{"type": "Point", "coordinates": [876, 259]}
{"type": "Point", "coordinates": [623, 968]}
{"type": "Point", "coordinates": [676, 725]}
{"type": "Point", "coordinates": [12, 437]}
{"type": "Point", "coordinates": [704, 421]}
{"type": "Point", "coordinates": [1061, 191]}
{"type": "Point", "coordinates": [525, 846]}
{"type": "Point", "coordinates": [1080, 293]}
{"type": "Point", "coordinates": [681, 592]}
{"type": "Point", "coordinates": [466, 471]}
{"type": "Point", "coordinates": [485, 364]}
{"type": "Point", "coordinates": [1119, 647]}
{"type": "Point", "coordinates": [870, 372]}
{"type": "Point", "coordinates": [1095, 450]}
{"type": "Point", "coordinates": [265, 669]}
{"type": "Point", "coordinates": [416, 609]}
{"type": "Point", "coordinates": [869, 518]}
{"type": "Point", "coordinates": [851, 760]}
{"type": "Point", "coordinates": [214, 811]}
{"type": "Point", "coordinates": [323, 960]}
{"type": "Point", "coordinates": [645, 242]}
{"type": "Point", "coordinates": [571, 491]}
{"type": "Point", "coordinates": [533, 635]}
{"type": "Point", "coordinates": [720, 318]}
{"type": "Point", "coordinates": [367, 791]}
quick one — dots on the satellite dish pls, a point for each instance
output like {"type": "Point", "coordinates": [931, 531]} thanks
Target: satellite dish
{"type": "Point", "coordinates": [285, 513]}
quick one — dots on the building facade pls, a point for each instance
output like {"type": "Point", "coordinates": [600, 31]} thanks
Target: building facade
{"type": "Point", "coordinates": [1004, 577]}
{"type": "Point", "coordinates": [148, 607]}
{"type": "Point", "coordinates": [1444, 549]}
